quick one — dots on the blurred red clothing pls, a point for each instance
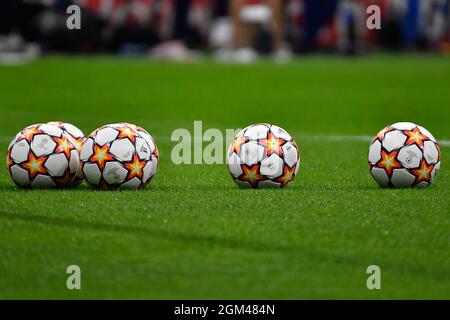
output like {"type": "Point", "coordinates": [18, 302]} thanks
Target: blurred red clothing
{"type": "Point", "coordinates": [122, 11]}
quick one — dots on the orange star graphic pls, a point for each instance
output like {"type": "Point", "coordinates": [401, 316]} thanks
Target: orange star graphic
{"type": "Point", "coordinates": [439, 151]}
{"type": "Point", "coordinates": [288, 176]}
{"type": "Point", "coordinates": [35, 165]}
{"type": "Point", "coordinates": [272, 144]}
{"type": "Point", "coordinates": [423, 173]}
{"type": "Point", "coordinates": [29, 133]}
{"type": "Point", "coordinates": [134, 127]}
{"type": "Point", "coordinates": [127, 132]}
{"type": "Point", "coordinates": [380, 135]}
{"type": "Point", "coordinates": [78, 143]}
{"type": "Point", "coordinates": [388, 161]}
{"type": "Point", "coordinates": [415, 136]}
{"type": "Point", "coordinates": [65, 180]}
{"type": "Point", "coordinates": [251, 175]}
{"type": "Point", "coordinates": [101, 155]}
{"type": "Point", "coordinates": [9, 161]}
{"type": "Point", "coordinates": [135, 167]}
{"type": "Point", "coordinates": [237, 144]}
{"type": "Point", "coordinates": [64, 145]}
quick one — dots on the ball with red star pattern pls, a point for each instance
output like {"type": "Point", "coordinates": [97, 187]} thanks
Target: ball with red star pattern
{"type": "Point", "coordinates": [263, 155]}
{"type": "Point", "coordinates": [76, 136]}
{"type": "Point", "coordinates": [42, 156]}
{"type": "Point", "coordinates": [404, 154]}
{"type": "Point", "coordinates": [119, 156]}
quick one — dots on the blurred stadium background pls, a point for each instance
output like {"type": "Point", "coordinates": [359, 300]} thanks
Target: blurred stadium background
{"type": "Point", "coordinates": [230, 30]}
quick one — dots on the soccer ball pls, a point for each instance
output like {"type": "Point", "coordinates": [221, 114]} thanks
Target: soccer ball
{"type": "Point", "coordinates": [263, 155]}
{"type": "Point", "coordinates": [119, 156]}
{"type": "Point", "coordinates": [76, 136]}
{"type": "Point", "coordinates": [42, 156]}
{"type": "Point", "coordinates": [404, 155]}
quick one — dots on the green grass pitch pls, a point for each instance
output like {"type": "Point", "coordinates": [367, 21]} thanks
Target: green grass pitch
{"type": "Point", "coordinates": [193, 233]}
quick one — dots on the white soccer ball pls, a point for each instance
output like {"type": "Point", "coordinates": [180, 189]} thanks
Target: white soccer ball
{"type": "Point", "coordinates": [76, 136]}
{"type": "Point", "coordinates": [263, 155]}
{"type": "Point", "coordinates": [404, 155]}
{"type": "Point", "coordinates": [119, 156]}
{"type": "Point", "coordinates": [42, 156]}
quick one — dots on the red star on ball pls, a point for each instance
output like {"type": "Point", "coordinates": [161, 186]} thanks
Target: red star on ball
{"type": "Point", "coordinates": [65, 180]}
{"type": "Point", "coordinates": [423, 173]}
{"type": "Point", "coordinates": [35, 165]}
{"type": "Point", "coordinates": [251, 175]}
{"type": "Point", "coordinates": [29, 133]}
{"type": "Point", "coordinates": [78, 143]}
{"type": "Point", "coordinates": [237, 144]}
{"type": "Point", "coordinates": [381, 134]}
{"type": "Point", "coordinates": [64, 145]}
{"type": "Point", "coordinates": [127, 132]}
{"type": "Point", "coordinates": [415, 136]}
{"type": "Point", "coordinates": [101, 155]}
{"type": "Point", "coordinates": [156, 152]}
{"type": "Point", "coordinates": [135, 167]}
{"type": "Point", "coordinates": [388, 161]}
{"type": "Point", "coordinates": [272, 144]}
{"type": "Point", "coordinates": [9, 161]}
{"type": "Point", "coordinates": [288, 176]}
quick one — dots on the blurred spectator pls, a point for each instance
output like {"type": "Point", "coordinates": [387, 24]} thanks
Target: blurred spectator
{"type": "Point", "coordinates": [319, 14]}
{"type": "Point", "coordinates": [237, 30]}
{"type": "Point", "coordinates": [175, 48]}
{"type": "Point", "coordinates": [434, 23]}
{"type": "Point", "coordinates": [258, 24]}
{"type": "Point", "coordinates": [15, 32]}
{"type": "Point", "coordinates": [124, 25]}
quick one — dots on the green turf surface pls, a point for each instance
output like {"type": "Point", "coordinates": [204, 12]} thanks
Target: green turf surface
{"type": "Point", "coordinates": [193, 233]}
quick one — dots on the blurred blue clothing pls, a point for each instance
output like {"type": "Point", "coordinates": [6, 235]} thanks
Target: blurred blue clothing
{"type": "Point", "coordinates": [318, 13]}
{"type": "Point", "coordinates": [410, 23]}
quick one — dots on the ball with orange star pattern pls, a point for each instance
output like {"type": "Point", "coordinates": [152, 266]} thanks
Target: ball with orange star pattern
{"type": "Point", "coordinates": [263, 155]}
{"type": "Point", "coordinates": [119, 156]}
{"type": "Point", "coordinates": [404, 154]}
{"type": "Point", "coordinates": [42, 156]}
{"type": "Point", "coordinates": [76, 136]}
